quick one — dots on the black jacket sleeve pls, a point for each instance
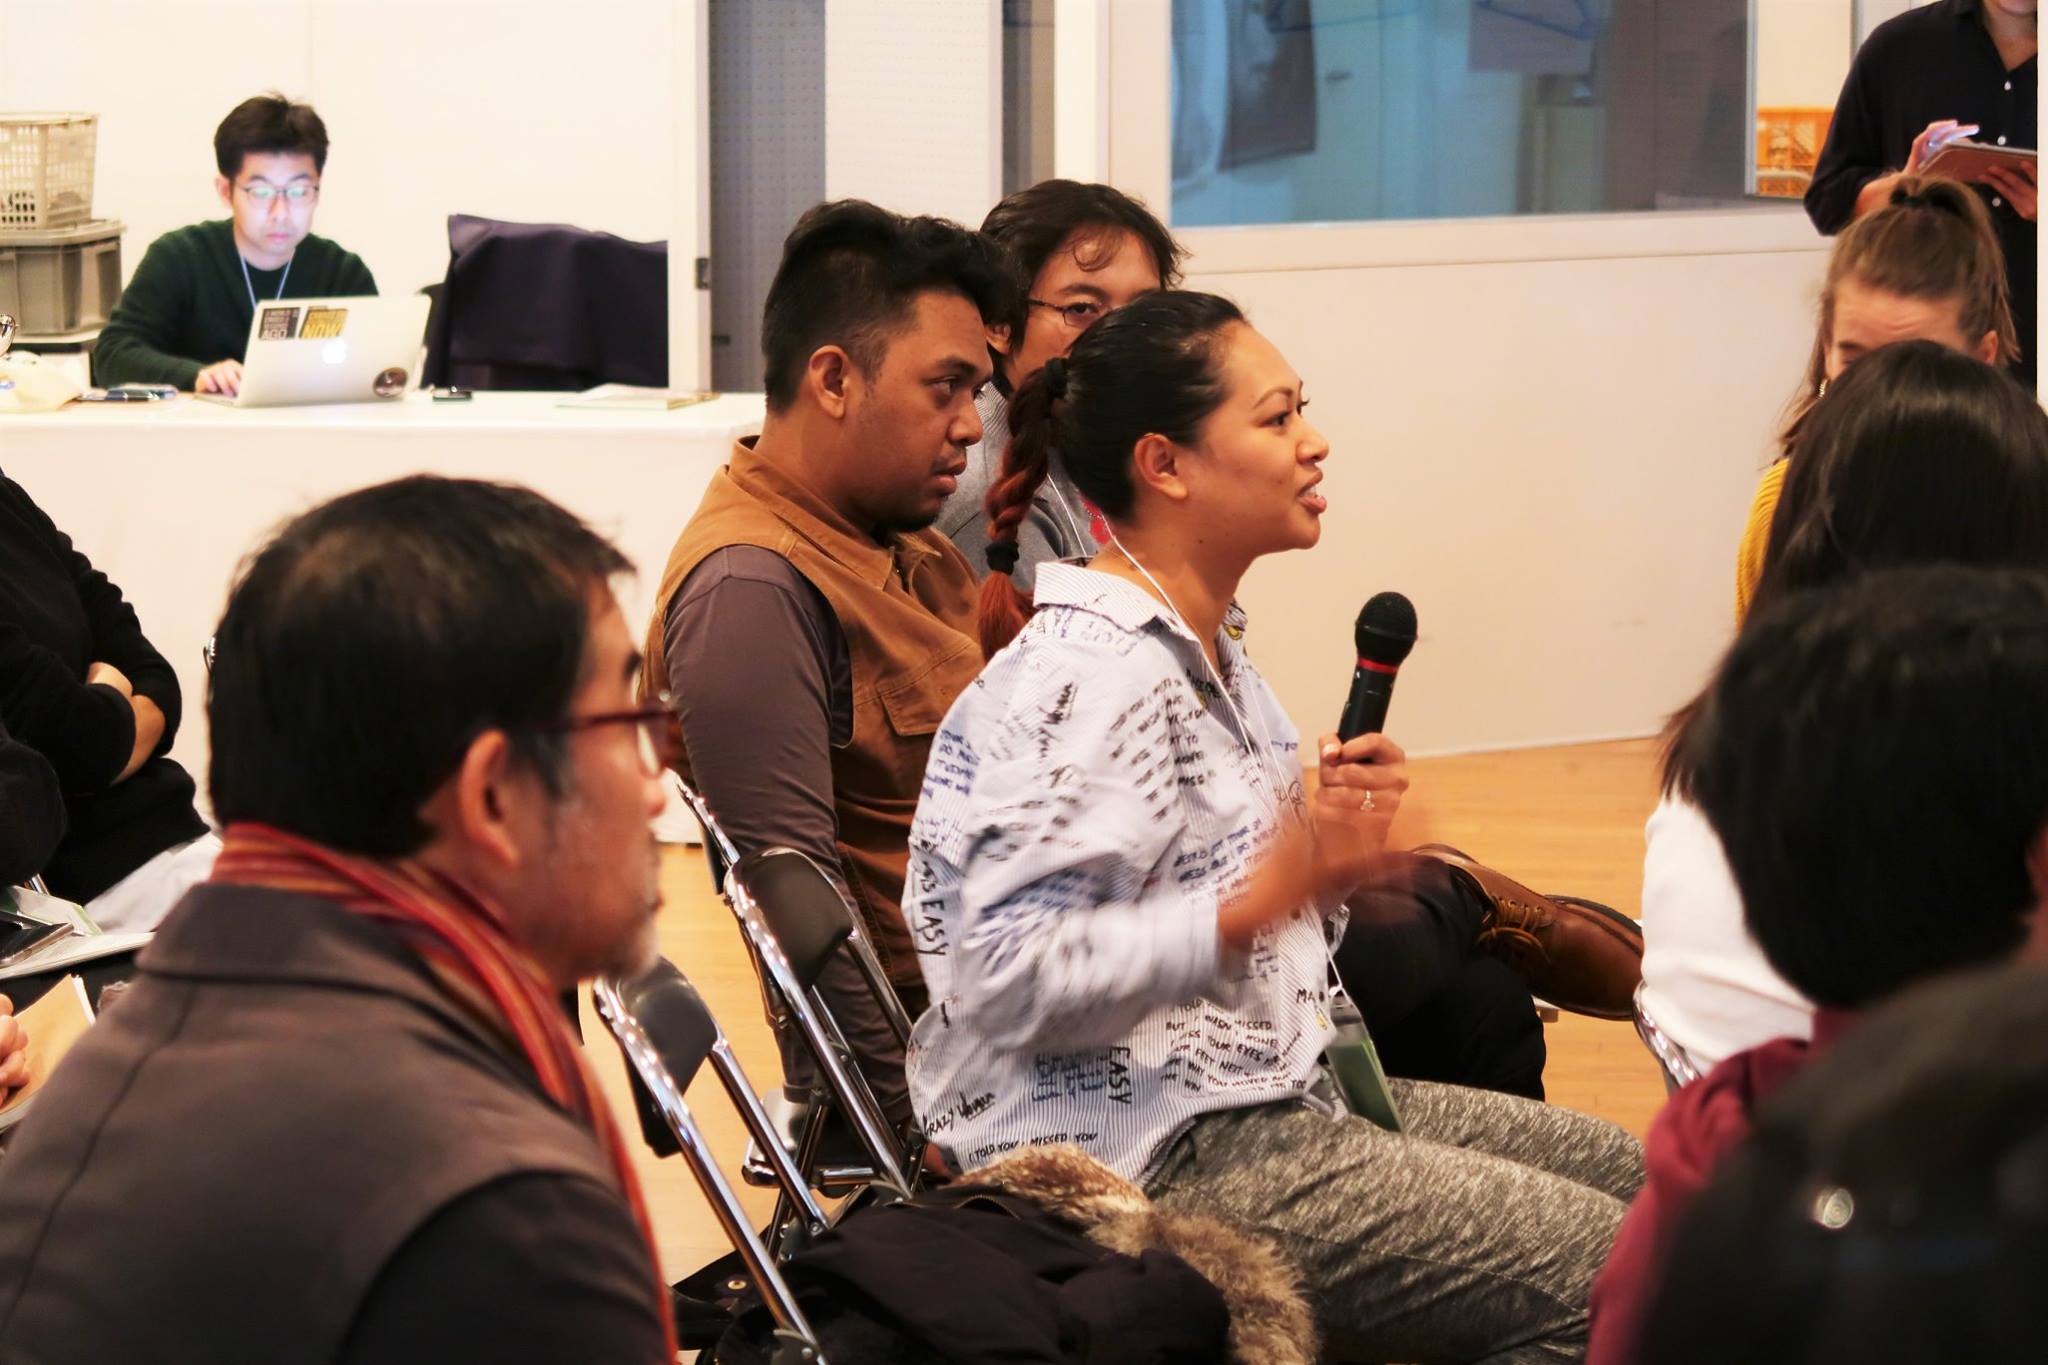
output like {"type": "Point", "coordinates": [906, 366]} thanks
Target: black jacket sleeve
{"type": "Point", "coordinates": [1854, 153]}
{"type": "Point", "coordinates": [87, 731]}
{"type": "Point", "coordinates": [31, 810]}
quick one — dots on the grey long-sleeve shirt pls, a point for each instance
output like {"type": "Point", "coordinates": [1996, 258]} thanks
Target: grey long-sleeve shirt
{"type": "Point", "coordinates": [779, 699]}
{"type": "Point", "coordinates": [1056, 528]}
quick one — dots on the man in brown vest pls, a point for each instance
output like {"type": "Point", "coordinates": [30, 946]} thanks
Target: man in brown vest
{"type": "Point", "coordinates": [811, 628]}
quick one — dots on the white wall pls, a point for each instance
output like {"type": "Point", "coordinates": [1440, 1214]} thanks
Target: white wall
{"type": "Point", "coordinates": [913, 104]}
{"type": "Point", "coordinates": [1802, 52]}
{"type": "Point", "coordinates": [520, 109]}
{"type": "Point", "coordinates": [1552, 458]}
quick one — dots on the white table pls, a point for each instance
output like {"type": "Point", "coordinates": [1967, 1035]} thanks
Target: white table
{"type": "Point", "coordinates": [167, 498]}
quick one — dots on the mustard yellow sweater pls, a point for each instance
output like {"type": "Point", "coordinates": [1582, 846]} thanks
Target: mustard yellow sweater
{"type": "Point", "coordinates": [1749, 556]}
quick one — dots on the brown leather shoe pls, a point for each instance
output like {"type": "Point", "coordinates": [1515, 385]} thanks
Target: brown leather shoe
{"type": "Point", "coordinates": [1577, 954]}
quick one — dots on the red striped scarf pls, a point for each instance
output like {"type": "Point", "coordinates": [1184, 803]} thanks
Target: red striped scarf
{"type": "Point", "coordinates": [461, 938]}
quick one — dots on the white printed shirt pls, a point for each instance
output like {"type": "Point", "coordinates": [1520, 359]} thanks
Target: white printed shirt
{"type": "Point", "coordinates": [1088, 803]}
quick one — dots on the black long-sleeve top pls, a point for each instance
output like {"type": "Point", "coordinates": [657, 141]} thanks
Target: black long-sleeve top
{"type": "Point", "coordinates": [58, 617]}
{"type": "Point", "coordinates": [1932, 63]}
{"type": "Point", "coordinates": [31, 810]}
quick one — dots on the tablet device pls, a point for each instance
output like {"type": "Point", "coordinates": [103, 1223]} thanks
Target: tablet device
{"type": "Point", "coordinates": [1967, 161]}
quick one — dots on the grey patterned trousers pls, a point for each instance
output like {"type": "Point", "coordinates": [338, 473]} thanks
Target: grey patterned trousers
{"type": "Point", "coordinates": [1472, 1236]}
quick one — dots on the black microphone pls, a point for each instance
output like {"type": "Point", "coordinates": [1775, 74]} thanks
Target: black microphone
{"type": "Point", "coordinates": [1385, 633]}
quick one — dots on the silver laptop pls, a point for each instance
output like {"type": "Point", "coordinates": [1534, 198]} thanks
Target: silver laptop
{"type": "Point", "coordinates": [353, 350]}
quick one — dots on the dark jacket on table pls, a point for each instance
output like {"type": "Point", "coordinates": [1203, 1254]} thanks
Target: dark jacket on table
{"type": "Point", "coordinates": [188, 305]}
{"type": "Point", "coordinates": [286, 1144]}
{"type": "Point", "coordinates": [58, 617]}
{"type": "Point", "coordinates": [31, 810]}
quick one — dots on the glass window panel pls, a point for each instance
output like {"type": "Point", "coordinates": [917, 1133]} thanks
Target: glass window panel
{"type": "Point", "coordinates": [1293, 111]}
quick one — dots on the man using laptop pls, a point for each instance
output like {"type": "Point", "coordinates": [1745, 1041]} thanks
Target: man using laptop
{"type": "Point", "coordinates": [184, 318]}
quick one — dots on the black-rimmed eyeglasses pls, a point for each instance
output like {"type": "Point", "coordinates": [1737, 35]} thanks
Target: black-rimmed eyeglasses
{"type": "Point", "coordinates": [1079, 315]}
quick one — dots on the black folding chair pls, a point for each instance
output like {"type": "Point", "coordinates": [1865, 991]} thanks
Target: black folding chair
{"type": "Point", "coordinates": [666, 1033]}
{"type": "Point", "coordinates": [793, 918]}
{"type": "Point", "coordinates": [1677, 1068]}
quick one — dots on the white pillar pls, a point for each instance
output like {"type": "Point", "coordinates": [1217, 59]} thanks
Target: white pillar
{"type": "Point", "coordinates": [689, 238]}
{"type": "Point", "coordinates": [914, 104]}
{"type": "Point", "coordinates": [1080, 89]}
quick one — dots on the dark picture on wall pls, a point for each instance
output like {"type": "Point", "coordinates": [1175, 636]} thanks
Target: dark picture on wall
{"type": "Point", "coordinates": [1272, 80]}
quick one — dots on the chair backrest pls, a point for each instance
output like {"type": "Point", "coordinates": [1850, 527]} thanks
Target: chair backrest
{"type": "Point", "coordinates": [781, 887]}
{"type": "Point", "coordinates": [800, 905]}
{"type": "Point", "coordinates": [674, 1017]}
{"type": "Point", "coordinates": [548, 306]}
{"type": "Point", "coordinates": [776, 891]}
{"type": "Point", "coordinates": [666, 1033]}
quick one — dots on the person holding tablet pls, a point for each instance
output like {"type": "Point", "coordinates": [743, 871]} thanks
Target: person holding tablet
{"type": "Point", "coordinates": [184, 317]}
{"type": "Point", "coordinates": [1927, 78]}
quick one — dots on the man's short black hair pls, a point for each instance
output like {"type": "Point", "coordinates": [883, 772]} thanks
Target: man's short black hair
{"type": "Point", "coordinates": [1033, 223]}
{"type": "Point", "coordinates": [1874, 757]}
{"type": "Point", "coordinates": [269, 123]}
{"type": "Point", "coordinates": [1891, 1203]}
{"type": "Point", "coordinates": [373, 638]}
{"type": "Point", "coordinates": [849, 276]}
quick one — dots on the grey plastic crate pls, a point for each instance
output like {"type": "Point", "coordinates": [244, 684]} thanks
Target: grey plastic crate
{"type": "Point", "coordinates": [61, 282]}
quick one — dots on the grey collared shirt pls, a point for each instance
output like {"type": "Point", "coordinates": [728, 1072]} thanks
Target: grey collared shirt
{"type": "Point", "coordinates": [1088, 804]}
{"type": "Point", "coordinates": [1056, 528]}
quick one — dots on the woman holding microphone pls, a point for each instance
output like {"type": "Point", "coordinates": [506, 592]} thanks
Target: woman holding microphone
{"type": "Point", "coordinates": [1132, 900]}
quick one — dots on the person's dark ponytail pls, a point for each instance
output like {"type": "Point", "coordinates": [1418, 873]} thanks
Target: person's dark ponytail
{"type": "Point", "coordinates": [1151, 367]}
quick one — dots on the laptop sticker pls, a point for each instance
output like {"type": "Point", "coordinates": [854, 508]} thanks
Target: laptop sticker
{"type": "Point", "coordinates": [279, 324]}
{"type": "Point", "coordinates": [323, 322]}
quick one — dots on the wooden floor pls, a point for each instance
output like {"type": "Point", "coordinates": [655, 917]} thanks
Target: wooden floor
{"type": "Point", "coordinates": [1562, 820]}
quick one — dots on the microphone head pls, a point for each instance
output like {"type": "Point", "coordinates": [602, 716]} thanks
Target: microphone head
{"type": "Point", "coordinates": [1386, 629]}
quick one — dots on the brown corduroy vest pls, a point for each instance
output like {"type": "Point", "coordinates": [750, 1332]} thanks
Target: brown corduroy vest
{"type": "Point", "coordinates": [907, 609]}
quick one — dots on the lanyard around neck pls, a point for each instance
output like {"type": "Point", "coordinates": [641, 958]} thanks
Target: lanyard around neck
{"type": "Point", "coordinates": [250, 285]}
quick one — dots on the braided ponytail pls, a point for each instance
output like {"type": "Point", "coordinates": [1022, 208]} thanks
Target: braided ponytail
{"type": "Point", "coordinates": [1153, 366]}
{"type": "Point", "coordinates": [1005, 607]}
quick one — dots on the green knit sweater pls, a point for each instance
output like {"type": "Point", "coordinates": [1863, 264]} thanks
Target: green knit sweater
{"type": "Point", "coordinates": [187, 306]}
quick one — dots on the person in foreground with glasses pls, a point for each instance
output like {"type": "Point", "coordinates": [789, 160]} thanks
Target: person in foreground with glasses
{"type": "Point", "coordinates": [339, 1115]}
{"type": "Point", "coordinates": [184, 317]}
{"type": "Point", "coordinates": [1131, 904]}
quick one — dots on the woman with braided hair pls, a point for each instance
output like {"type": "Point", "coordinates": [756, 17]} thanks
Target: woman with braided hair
{"type": "Point", "coordinates": [1441, 953]}
{"type": "Point", "coordinates": [1128, 900]}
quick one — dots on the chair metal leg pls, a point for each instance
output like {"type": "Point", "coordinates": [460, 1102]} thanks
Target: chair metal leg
{"type": "Point", "coordinates": [754, 1114]}
{"type": "Point", "coordinates": [725, 1206]}
{"type": "Point", "coordinates": [1678, 1068]}
{"type": "Point", "coordinates": [821, 1033]}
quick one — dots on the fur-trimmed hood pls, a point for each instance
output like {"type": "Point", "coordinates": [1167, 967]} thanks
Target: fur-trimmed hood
{"type": "Point", "coordinates": [1270, 1321]}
